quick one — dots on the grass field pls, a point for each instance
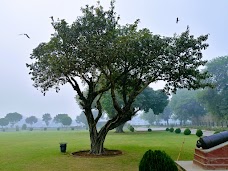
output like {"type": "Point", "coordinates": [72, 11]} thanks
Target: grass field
{"type": "Point", "coordinates": [39, 150]}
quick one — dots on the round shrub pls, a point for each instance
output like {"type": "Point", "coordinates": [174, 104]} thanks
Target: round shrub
{"type": "Point", "coordinates": [187, 131]}
{"type": "Point", "coordinates": [178, 131]}
{"type": "Point", "coordinates": [58, 129]}
{"type": "Point", "coordinates": [171, 129]}
{"type": "Point", "coordinates": [199, 133]}
{"type": "Point", "coordinates": [72, 128]}
{"type": "Point", "coordinates": [45, 128]}
{"type": "Point", "coordinates": [167, 129]}
{"type": "Point", "coordinates": [149, 129]}
{"type": "Point", "coordinates": [157, 160]}
{"type": "Point", "coordinates": [30, 129]}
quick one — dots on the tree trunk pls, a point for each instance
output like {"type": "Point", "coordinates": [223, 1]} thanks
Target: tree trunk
{"type": "Point", "coordinates": [167, 121]}
{"type": "Point", "coordinates": [119, 129]}
{"type": "Point", "coordinates": [97, 141]}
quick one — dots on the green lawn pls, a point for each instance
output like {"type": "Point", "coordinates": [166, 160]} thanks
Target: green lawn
{"type": "Point", "coordinates": [39, 150]}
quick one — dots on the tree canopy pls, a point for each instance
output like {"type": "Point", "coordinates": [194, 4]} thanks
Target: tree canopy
{"type": "Point", "coordinates": [4, 122]}
{"type": "Point", "coordinates": [31, 120]}
{"type": "Point", "coordinates": [125, 59]}
{"type": "Point", "coordinates": [46, 118]}
{"type": "Point", "coordinates": [13, 118]}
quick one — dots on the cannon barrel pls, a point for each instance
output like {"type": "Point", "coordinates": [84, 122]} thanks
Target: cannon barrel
{"type": "Point", "coordinates": [213, 140]}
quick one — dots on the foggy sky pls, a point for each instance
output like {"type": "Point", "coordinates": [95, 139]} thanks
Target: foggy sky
{"type": "Point", "coordinates": [32, 17]}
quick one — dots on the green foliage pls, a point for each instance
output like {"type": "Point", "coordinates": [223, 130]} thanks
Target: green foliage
{"type": "Point", "coordinates": [177, 130]}
{"type": "Point", "coordinates": [185, 106]}
{"type": "Point", "coordinates": [31, 120]}
{"type": "Point", "coordinates": [30, 129]}
{"type": "Point", "coordinates": [3, 130]}
{"type": "Point", "coordinates": [24, 127]}
{"type": "Point", "coordinates": [13, 118]}
{"type": "Point", "coordinates": [4, 122]}
{"type": "Point", "coordinates": [187, 131]}
{"type": "Point", "coordinates": [216, 100]}
{"type": "Point", "coordinates": [157, 161]}
{"type": "Point", "coordinates": [216, 132]}
{"type": "Point", "coordinates": [45, 128]}
{"type": "Point", "coordinates": [171, 129]}
{"type": "Point", "coordinates": [46, 118]}
{"type": "Point", "coordinates": [131, 128]}
{"type": "Point", "coordinates": [167, 129]}
{"type": "Point", "coordinates": [199, 133]}
{"type": "Point", "coordinates": [72, 128]}
{"type": "Point", "coordinates": [58, 129]}
{"type": "Point", "coordinates": [149, 130]}
{"type": "Point", "coordinates": [64, 119]}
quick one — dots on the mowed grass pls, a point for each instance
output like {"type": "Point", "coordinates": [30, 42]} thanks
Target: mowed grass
{"type": "Point", "coordinates": [39, 150]}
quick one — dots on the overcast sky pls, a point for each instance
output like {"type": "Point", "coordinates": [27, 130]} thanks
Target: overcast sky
{"type": "Point", "coordinates": [32, 17]}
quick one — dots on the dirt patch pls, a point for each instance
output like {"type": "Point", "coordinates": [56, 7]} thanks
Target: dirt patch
{"type": "Point", "coordinates": [107, 153]}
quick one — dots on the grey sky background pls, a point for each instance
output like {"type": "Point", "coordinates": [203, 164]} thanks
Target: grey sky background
{"type": "Point", "coordinates": [32, 17]}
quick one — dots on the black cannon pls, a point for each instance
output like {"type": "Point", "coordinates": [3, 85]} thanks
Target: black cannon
{"type": "Point", "coordinates": [213, 140]}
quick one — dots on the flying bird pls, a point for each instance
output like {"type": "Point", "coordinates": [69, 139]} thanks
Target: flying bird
{"type": "Point", "coordinates": [25, 35]}
{"type": "Point", "coordinates": [177, 20]}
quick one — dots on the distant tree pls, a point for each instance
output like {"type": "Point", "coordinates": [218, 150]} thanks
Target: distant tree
{"type": "Point", "coordinates": [96, 47]}
{"type": "Point", "coordinates": [24, 127]}
{"type": "Point", "coordinates": [149, 116]}
{"type": "Point", "coordinates": [82, 118]}
{"type": "Point", "coordinates": [216, 100]}
{"type": "Point", "coordinates": [166, 114]}
{"type": "Point", "coordinates": [31, 120]}
{"type": "Point", "coordinates": [46, 118]}
{"type": "Point", "coordinates": [4, 122]}
{"type": "Point", "coordinates": [63, 119]}
{"type": "Point", "coordinates": [13, 118]}
{"type": "Point", "coordinates": [185, 106]}
{"type": "Point", "coordinates": [66, 121]}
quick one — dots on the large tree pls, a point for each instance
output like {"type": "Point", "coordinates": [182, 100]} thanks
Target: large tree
{"type": "Point", "coordinates": [216, 100]}
{"type": "Point", "coordinates": [185, 106]}
{"type": "Point", "coordinates": [95, 49]}
{"type": "Point", "coordinates": [13, 118]}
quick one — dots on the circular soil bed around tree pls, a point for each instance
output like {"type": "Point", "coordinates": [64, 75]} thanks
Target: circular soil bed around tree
{"type": "Point", "coordinates": [107, 153]}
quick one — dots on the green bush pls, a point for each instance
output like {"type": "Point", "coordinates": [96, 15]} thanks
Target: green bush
{"type": "Point", "coordinates": [167, 129]}
{"type": "Point", "coordinates": [58, 129]}
{"type": "Point", "coordinates": [156, 161]}
{"type": "Point", "coordinates": [187, 131]}
{"type": "Point", "coordinates": [72, 128]}
{"type": "Point", "coordinates": [199, 133]}
{"type": "Point", "coordinates": [3, 130]}
{"type": "Point", "coordinates": [171, 129]}
{"type": "Point", "coordinates": [178, 131]}
{"type": "Point", "coordinates": [216, 132]}
{"type": "Point", "coordinates": [24, 127]}
{"type": "Point", "coordinates": [45, 128]}
{"type": "Point", "coordinates": [30, 129]}
{"type": "Point", "coordinates": [131, 128]}
{"type": "Point", "coordinates": [149, 129]}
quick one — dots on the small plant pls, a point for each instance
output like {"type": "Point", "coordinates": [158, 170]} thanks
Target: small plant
{"type": "Point", "coordinates": [131, 128]}
{"type": "Point", "coordinates": [157, 160]}
{"type": "Point", "coordinates": [187, 131]}
{"type": "Point", "coordinates": [199, 133]}
{"type": "Point", "coordinates": [171, 129]}
{"type": "Point", "coordinates": [149, 129]}
{"type": "Point", "coordinates": [3, 130]}
{"type": "Point", "coordinates": [178, 131]}
{"type": "Point", "coordinates": [24, 127]}
{"type": "Point", "coordinates": [58, 129]}
{"type": "Point", "coordinates": [167, 129]}
{"type": "Point", "coordinates": [45, 128]}
{"type": "Point", "coordinates": [72, 128]}
{"type": "Point", "coordinates": [30, 129]}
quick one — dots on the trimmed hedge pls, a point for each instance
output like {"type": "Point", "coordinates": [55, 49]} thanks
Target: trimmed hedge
{"type": "Point", "coordinates": [171, 129]}
{"type": "Point", "coordinates": [167, 129]}
{"type": "Point", "coordinates": [157, 161]}
{"type": "Point", "coordinates": [199, 133]}
{"type": "Point", "coordinates": [178, 131]}
{"type": "Point", "coordinates": [187, 131]}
